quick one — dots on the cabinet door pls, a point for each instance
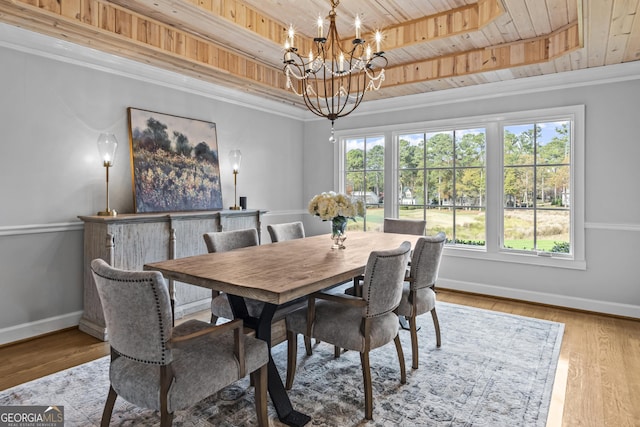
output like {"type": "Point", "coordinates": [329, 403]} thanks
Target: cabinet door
{"type": "Point", "coordinates": [188, 242]}
{"type": "Point", "coordinates": [136, 244]}
{"type": "Point", "coordinates": [125, 245]}
{"type": "Point", "coordinates": [241, 221]}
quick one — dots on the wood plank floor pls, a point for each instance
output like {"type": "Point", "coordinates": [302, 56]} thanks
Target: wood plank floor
{"type": "Point", "coordinates": [598, 380]}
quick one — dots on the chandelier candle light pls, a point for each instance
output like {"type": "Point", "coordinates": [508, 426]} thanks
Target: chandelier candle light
{"type": "Point", "coordinates": [333, 79]}
{"type": "Point", "coordinates": [107, 145]}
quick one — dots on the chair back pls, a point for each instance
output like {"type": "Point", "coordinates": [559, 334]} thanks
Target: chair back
{"type": "Point", "coordinates": [286, 231]}
{"type": "Point", "coordinates": [383, 278]}
{"type": "Point", "coordinates": [425, 262]}
{"type": "Point", "coordinates": [405, 226]}
{"type": "Point", "coordinates": [224, 241]}
{"type": "Point", "coordinates": [137, 312]}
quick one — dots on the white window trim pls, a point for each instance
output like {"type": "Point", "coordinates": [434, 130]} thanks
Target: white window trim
{"type": "Point", "coordinates": [494, 124]}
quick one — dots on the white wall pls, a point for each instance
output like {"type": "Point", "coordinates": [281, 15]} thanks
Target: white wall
{"type": "Point", "coordinates": [610, 282]}
{"type": "Point", "coordinates": [56, 98]}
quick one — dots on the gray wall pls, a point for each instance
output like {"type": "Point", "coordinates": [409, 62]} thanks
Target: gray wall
{"type": "Point", "coordinates": [612, 207]}
{"type": "Point", "coordinates": [57, 98]}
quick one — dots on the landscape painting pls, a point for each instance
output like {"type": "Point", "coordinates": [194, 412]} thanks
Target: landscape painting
{"type": "Point", "coordinates": [174, 163]}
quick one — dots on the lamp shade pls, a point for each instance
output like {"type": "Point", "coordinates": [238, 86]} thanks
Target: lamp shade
{"type": "Point", "coordinates": [107, 146]}
{"type": "Point", "coordinates": [235, 156]}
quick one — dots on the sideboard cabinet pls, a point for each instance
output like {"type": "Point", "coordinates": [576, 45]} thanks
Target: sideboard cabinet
{"type": "Point", "coordinates": [131, 240]}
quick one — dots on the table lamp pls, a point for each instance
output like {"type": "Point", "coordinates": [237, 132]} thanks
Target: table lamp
{"type": "Point", "coordinates": [107, 145]}
{"type": "Point", "coordinates": [235, 156]}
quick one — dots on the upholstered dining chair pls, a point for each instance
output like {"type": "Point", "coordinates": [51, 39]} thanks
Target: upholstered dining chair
{"type": "Point", "coordinates": [155, 365]}
{"type": "Point", "coordinates": [224, 241]}
{"type": "Point", "coordinates": [286, 231]}
{"type": "Point", "coordinates": [404, 226]}
{"type": "Point", "coordinates": [220, 307]}
{"type": "Point", "coordinates": [356, 323]}
{"type": "Point", "coordinates": [418, 293]}
{"type": "Point", "coordinates": [399, 226]}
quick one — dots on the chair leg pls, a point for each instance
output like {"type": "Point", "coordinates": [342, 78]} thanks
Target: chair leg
{"type": "Point", "coordinates": [307, 345]}
{"type": "Point", "coordinates": [259, 378]}
{"type": "Point", "coordinates": [108, 407]}
{"type": "Point", "coordinates": [292, 356]}
{"type": "Point", "coordinates": [368, 389]}
{"type": "Point", "coordinates": [166, 378]}
{"type": "Point", "coordinates": [403, 370]}
{"type": "Point", "coordinates": [436, 324]}
{"type": "Point", "coordinates": [166, 418]}
{"type": "Point", "coordinates": [414, 342]}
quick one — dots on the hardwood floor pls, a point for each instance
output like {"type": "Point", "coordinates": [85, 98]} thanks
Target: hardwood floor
{"type": "Point", "coordinates": [597, 384]}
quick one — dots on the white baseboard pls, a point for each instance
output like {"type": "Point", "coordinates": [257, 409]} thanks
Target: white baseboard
{"type": "Point", "coordinates": [192, 307]}
{"type": "Point", "coordinates": [564, 301]}
{"type": "Point", "coordinates": [40, 327]}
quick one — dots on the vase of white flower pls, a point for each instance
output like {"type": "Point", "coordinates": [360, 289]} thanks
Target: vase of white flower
{"type": "Point", "coordinates": [338, 209]}
{"type": "Point", "coordinates": [338, 232]}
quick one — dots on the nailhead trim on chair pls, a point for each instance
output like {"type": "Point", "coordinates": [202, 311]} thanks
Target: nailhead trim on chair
{"type": "Point", "coordinates": [417, 267]}
{"type": "Point", "coordinates": [158, 312]}
{"type": "Point", "coordinates": [373, 269]}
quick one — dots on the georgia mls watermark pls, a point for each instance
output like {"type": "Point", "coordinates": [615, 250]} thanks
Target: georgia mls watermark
{"type": "Point", "coordinates": [31, 416]}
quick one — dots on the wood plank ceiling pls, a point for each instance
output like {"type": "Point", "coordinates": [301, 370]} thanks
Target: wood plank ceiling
{"type": "Point", "coordinates": [430, 44]}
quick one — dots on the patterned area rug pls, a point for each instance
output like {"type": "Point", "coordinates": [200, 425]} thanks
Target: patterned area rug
{"type": "Point", "coordinates": [493, 369]}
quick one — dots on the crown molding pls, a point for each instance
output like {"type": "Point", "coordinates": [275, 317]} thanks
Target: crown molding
{"type": "Point", "coordinates": [37, 44]}
{"type": "Point", "coordinates": [60, 50]}
{"type": "Point", "coordinates": [526, 85]}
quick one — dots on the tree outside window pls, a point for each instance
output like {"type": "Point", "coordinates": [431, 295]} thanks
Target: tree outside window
{"type": "Point", "coordinates": [442, 179]}
{"type": "Point", "coordinates": [536, 187]}
{"type": "Point", "coordinates": [364, 179]}
{"type": "Point", "coordinates": [530, 202]}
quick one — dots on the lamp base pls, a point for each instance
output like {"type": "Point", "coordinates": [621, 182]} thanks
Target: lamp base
{"type": "Point", "coordinates": [235, 208]}
{"type": "Point", "coordinates": [110, 212]}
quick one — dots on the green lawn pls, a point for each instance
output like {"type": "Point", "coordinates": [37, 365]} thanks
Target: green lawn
{"type": "Point", "coordinates": [543, 245]}
{"type": "Point", "coordinates": [471, 226]}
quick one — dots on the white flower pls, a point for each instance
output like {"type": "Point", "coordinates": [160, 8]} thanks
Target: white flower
{"type": "Point", "coordinates": [330, 205]}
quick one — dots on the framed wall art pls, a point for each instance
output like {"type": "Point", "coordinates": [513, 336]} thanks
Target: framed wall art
{"type": "Point", "coordinates": [174, 163]}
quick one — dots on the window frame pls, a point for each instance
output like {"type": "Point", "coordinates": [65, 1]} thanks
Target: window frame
{"type": "Point", "coordinates": [340, 181]}
{"type": "Point", "coordinates": [494, 125]}
{"type": "Point", "coordinates": [535, 165]}
{"type": "Point", "coordinates": [454, 168]}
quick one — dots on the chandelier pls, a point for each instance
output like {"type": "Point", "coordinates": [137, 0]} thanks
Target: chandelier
{"type": "Point", "coordinates": [334, 76]}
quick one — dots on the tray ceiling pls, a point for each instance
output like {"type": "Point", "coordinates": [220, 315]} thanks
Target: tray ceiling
{"type": "Point", "coordinates": [431, 44]}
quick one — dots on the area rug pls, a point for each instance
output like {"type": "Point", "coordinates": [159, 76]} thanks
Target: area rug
{"type": "Point", "coordinates": [493, 369]}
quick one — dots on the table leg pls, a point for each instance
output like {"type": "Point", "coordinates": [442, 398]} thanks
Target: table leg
{"type": "Point", "coordinates": [278, 393]}
{"type": "Point", "coordinates": [404, 323]}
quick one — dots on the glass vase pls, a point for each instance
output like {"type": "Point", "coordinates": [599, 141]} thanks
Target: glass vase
{"type": "Point", "coordinates": [338, 232]}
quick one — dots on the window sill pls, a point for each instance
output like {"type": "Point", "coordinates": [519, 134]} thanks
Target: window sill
{"type": "Point", "coordinates": [517, 258]}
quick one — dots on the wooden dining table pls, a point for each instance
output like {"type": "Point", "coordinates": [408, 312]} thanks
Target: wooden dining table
{"type": "Point", "coordinates": [276, 274]}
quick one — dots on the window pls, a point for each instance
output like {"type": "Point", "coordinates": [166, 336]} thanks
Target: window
{"type": "Point", "coordinates": [507, 187]}
{"type": "Point", "coordinates": [442, 179]}
{"type": "Point", "coordinates": [536, 186]}
{"type": "Point", "coordinates": [364, 178]}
